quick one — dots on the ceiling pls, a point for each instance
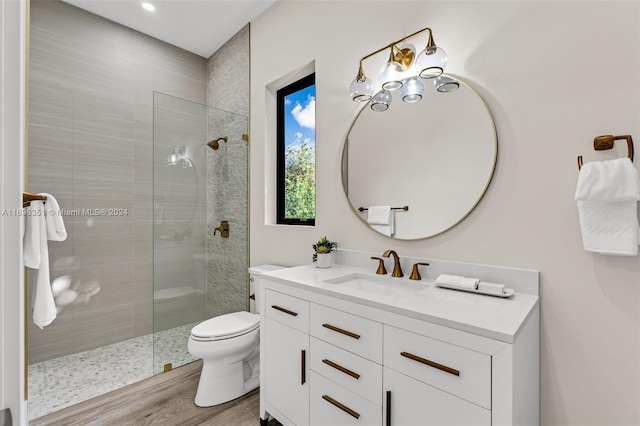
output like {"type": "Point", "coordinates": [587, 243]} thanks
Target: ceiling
{"type": "Point", "coordinates": [199, 26]}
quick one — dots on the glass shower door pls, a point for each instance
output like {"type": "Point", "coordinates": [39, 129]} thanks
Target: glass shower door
{"type": "Point", "coordinates": [200, 180]}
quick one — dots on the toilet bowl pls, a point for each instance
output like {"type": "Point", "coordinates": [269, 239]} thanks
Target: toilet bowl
{"type": "Point", "coordinates": [229, 346]}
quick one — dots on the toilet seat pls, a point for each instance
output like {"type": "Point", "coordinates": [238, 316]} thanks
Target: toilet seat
{"type": "Point", "coordinates": [225, 326]}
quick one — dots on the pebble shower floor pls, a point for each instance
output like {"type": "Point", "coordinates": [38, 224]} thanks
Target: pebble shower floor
{"type": "Point", "coordinates": [68, 380]}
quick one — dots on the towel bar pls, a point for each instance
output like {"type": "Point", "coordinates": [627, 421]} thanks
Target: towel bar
{"type": "Point", "coordinates": [601, 143]}
{"type": "Point", "coordinates": [27, 198]}
{"type": "Point", "coordinates": [405, 208]}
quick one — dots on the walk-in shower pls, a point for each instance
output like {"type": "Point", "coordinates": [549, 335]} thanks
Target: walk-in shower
{"type": "Point", "coordinates": [144, 276]}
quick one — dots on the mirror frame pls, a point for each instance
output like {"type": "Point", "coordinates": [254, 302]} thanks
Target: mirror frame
{"type": "Point", "coordinates": [344, 159]}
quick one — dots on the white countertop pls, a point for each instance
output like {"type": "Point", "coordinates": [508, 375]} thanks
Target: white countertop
{"type": "Point", "coordinates": [488, 316]}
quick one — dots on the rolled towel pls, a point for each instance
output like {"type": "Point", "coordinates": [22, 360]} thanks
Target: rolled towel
{"type": "Point", "coordinates": [491, 288]}
{"type": "Point", "coordinates": [458, 281]}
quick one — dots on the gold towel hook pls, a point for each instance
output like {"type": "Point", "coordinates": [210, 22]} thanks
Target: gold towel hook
{"type": "Point", "coordinates": [604, 142]}
{"type": "Point", "coordinates": [27, 198]}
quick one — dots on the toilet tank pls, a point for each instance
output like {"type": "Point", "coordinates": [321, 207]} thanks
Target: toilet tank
{"type": "Point", "coordinates": [254, 283]}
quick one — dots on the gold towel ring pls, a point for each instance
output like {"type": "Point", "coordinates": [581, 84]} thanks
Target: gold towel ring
{"type": "Point", "coordinates": [601, 143]}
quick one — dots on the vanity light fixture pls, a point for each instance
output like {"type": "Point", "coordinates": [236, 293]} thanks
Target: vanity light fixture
{"type": "Point", "coordinates": [404, 70]}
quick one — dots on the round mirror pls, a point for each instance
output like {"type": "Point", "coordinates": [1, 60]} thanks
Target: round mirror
{"type": "Point", "coordinates": [436, 157]}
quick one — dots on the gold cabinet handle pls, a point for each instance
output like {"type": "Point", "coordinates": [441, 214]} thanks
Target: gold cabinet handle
{"type": "Point", "coordinates": [341, 369]}
{"type": "Point", "coordinates": [341, 331]}
{"type": "Point", "coordinates": [431, 363]}
{"type": "Point", "coordinates": [286, 311]}
{"type": "Point", "coordinates": [341, 406]}
{"type": "Point", "coordinates": [303, 366]}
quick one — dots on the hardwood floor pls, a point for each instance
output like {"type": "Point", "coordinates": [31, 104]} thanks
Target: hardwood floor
{"type": "Point", "coordinates": [163, 400]}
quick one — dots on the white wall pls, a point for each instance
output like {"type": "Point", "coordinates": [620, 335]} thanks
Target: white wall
{"type": "Point", "coordinates": [12, 136]}
{"type": "Point", "coordinates": [554, 74]}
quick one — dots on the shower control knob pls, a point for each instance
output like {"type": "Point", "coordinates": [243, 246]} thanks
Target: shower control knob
{"type": "Point", "coordinates": [223, 228]}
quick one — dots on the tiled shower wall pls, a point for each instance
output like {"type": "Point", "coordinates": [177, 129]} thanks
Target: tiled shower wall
{"type": "Point", "coordinates": [227, 180]}
{"type": "Point", "coordinates": [91, 85]}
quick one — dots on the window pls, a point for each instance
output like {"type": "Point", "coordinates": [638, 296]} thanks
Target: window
{"type": "Point", "coordinates": [296, 139]}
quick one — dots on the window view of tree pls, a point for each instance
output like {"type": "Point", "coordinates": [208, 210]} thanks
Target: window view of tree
{"type": "Point", "coordinates": [300, 181]}
{"type": "Point", "coordinates": [297, 152]}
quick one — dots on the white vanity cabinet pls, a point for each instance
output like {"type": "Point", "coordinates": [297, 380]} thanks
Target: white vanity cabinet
{"type": "Point", "coordinates": [346, 377]}
{"type": "Point", "coordinates": [409, 402]}
{"type": "Point", "coordinates": [431, 382]}
{"type": "Point", "coordinates": [286, 352]}
{"type": "Point", "coordinates": [345, 359]}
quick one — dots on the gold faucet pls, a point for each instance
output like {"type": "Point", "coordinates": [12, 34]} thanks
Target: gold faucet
{"type": "Point", "coordinates": [415, 274]}
{"type": "Point", "coordinates": [397, 270]}
{"type": "Point", "coordinates": [381, 269]}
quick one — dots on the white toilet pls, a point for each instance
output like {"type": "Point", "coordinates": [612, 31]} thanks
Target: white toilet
{"type": "Point", "coordinates": [229, 346]}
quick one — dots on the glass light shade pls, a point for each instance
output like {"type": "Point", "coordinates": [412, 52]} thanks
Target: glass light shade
{"type": "Point", "coordinates": [445, 84]}
{"type": "Point", "coordinates": [430, 65]}
{"type": "Point", "coordinates": [391, 76]}
{"type": "Point", "coordinates": [381, 101]}
{"type": "Point", "coordinates": [361, 90]}
{"type": "Point", "coordinates": [412, 90]}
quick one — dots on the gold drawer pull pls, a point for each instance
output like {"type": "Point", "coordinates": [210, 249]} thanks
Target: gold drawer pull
{"type": "Point", "coordinates": [303, 366]}
{"type": "Point", "coordinates": [340, 406]}
{"type": "Point", "coordinates": [339, 330]}
{"type": "Point", "coordinates": [341, 368]}
{"type": "Point", "coordinates": [286, 311]}
{"type": "Point", "coordinates": [431, 363]}
{"type": "Point", "coordinates": [388, 408]}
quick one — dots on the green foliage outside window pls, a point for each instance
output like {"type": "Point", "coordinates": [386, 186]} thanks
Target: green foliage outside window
{"type": "Point", "coordinates": [300, 182]}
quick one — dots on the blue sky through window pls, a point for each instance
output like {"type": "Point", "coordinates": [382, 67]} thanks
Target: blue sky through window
{"type": "Point", "coordinates": [300, 117]}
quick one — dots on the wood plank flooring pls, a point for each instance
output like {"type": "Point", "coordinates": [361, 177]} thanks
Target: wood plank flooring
{"type": "Point", "coordinates": [163, 400]}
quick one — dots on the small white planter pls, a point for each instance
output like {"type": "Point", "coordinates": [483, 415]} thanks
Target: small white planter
{"type": "Point", "coordinates": [323, 260]}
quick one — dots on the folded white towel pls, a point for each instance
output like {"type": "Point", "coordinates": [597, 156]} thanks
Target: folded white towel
{"type": "Point", "coordinates": [491, 288]}
{"type": "Point", "coordinates": [458, 281]}
{"type": "Point", "coordinates": [609, 228]}
{"type": "Point", "coordinates": [607, 194]}
{"type": "Point", "coordinates": [56, 230]}
{"type": "Point", "coordinates": [613, 181]}
{"type": "Point", "coordinates": [44, 307]}
{"type": "Point", "coordinates": [381, 219]}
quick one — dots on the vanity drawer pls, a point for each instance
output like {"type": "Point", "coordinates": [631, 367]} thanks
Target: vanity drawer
{"type": "Point", "coordinates": [288, 310]}
{"type": "Point", "coordinates": [331, 404]}
{"type": "Point", "coordinates": [355, 334]}
{"type": "Point", "coordinates": [459, 371]}
{"type": "Point", "coordinates": [351, 371]}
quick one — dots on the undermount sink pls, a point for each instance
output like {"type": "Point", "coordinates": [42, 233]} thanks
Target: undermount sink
{"type": "Point", "coordinates": [383, 285]}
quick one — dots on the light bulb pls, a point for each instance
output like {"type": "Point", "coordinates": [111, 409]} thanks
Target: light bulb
{"type": "Point", "coordinates": [431, 63]}
{"type": "Point", "coordinates": [361, 90]}
{"type": "Point", "coordinates": [412, 90]}
{"type": "Point", "coordinates": [381, 101]}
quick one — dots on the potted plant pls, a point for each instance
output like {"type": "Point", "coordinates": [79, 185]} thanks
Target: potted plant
{"type": "Point", "coordinates": [322, 252]}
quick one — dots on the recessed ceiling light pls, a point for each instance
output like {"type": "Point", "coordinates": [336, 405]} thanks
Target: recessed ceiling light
{"type": "Point", "coordinates": [148, 6]}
